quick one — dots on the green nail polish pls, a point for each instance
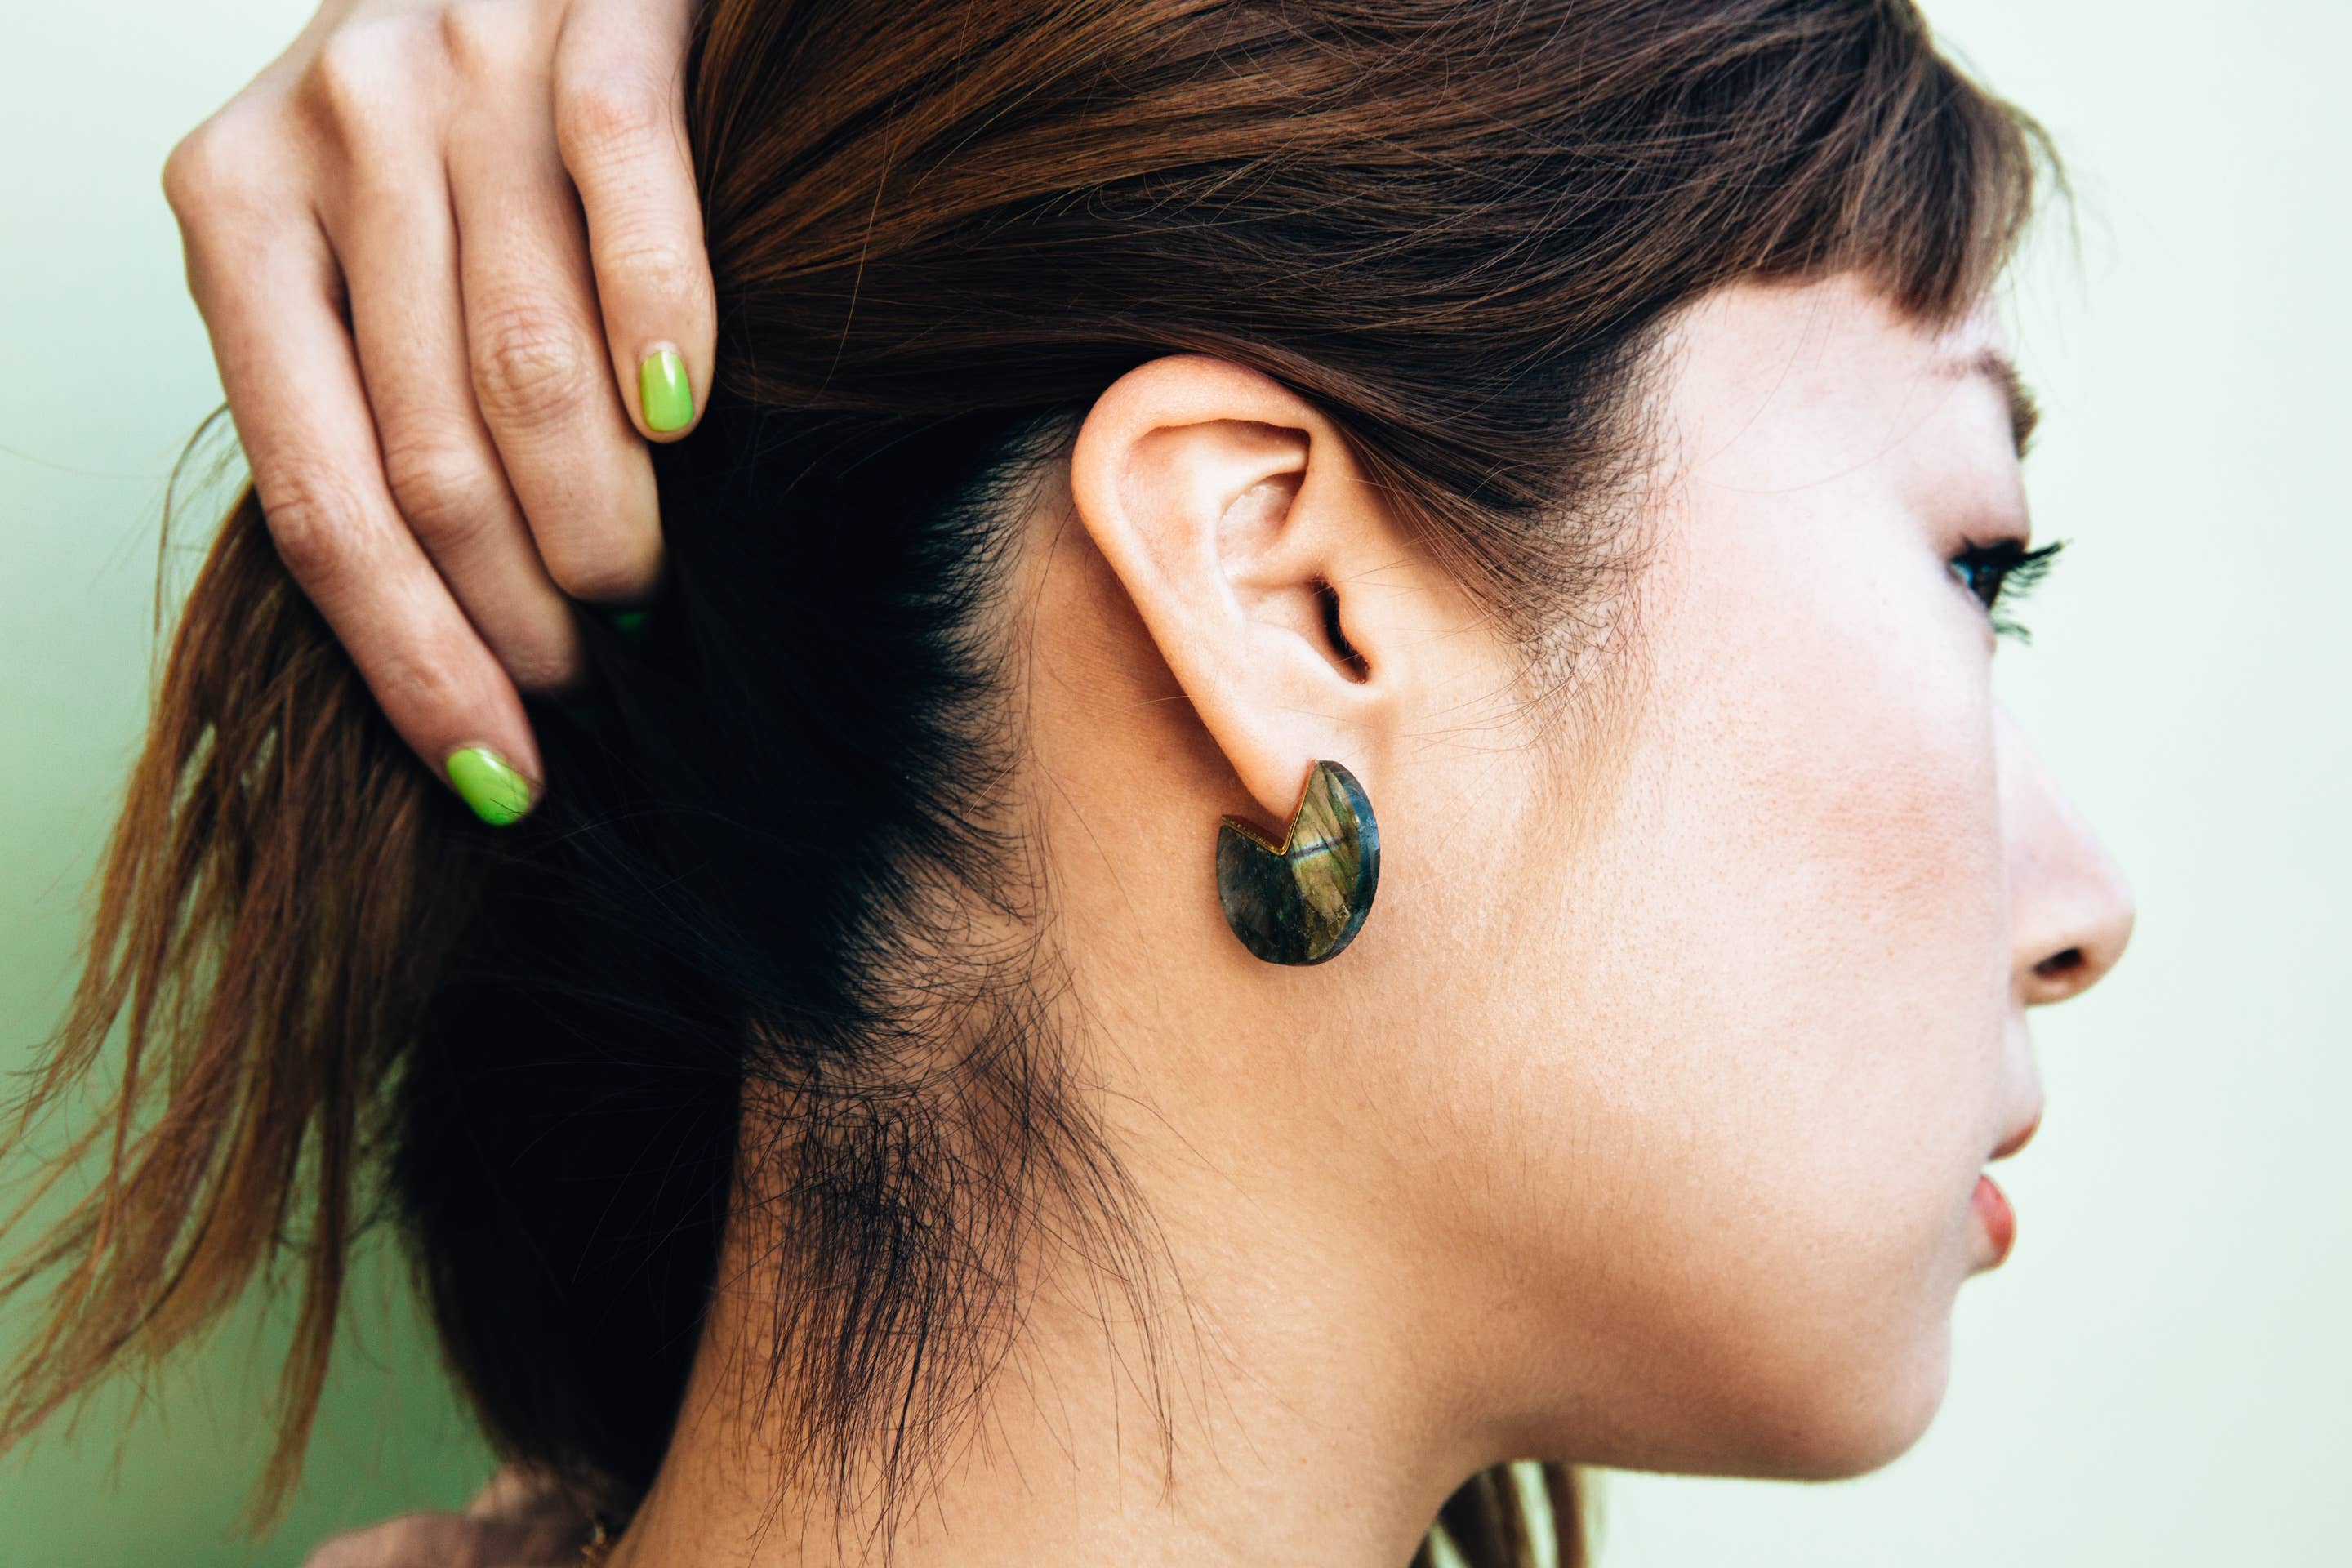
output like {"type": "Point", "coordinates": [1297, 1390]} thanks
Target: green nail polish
{"type": "Point", "coordinates": [630, 624]}
{"type": "Point", "coordinates": [663, 392]}
{"type": "Point", "coordinates": [498, 793]}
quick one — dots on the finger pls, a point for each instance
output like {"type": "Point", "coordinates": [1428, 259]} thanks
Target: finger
{"type": "Point", "coordinates": [390, 223]}
{"type": "Point", "coordinates": [620, 126]}
{"type": "Point", "coordinates": [530, 1497]}
{"type": "Point", "coordinates": [293, 386]}
{"type": "Point", "coordinates": [445, 1541]}
{"type": "Point", "coordinates": [513, 1489]}
{"type": "Point", "coordinates": [582, 473]}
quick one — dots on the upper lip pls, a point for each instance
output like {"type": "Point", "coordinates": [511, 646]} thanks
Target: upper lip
{"type": "Point", "coordinates": [2017, 1140]}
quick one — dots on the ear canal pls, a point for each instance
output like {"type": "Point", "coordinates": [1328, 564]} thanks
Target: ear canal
{"type": "Point", "coordinates": [1304, 900]}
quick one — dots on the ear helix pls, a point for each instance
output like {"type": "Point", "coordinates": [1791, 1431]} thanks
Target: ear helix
{"type": "Point", "coordinates": [1303, 899]}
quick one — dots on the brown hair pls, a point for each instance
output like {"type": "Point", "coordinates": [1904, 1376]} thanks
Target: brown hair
{"type": "Point", "coordinates": [938, 230]}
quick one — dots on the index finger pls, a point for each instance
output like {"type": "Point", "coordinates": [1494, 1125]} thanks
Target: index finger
{"type": "Point", "coordinates": [293, 382]}
{"type": "Point", "coordinates": [620, 120]}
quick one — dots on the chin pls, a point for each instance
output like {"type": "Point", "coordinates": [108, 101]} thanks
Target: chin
{"type": "Point", "coordinates": [1825, 1410]}
{"type": "Point", "coordinates": [1865, 1418]}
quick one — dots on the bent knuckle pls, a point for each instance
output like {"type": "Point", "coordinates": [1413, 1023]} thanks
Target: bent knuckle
{"type": "Point", "coordinates": [345, 89]}
{"type": "Point", "coordinates": [601, 122]}
{"type": "Point", "coordinates": [217, 167]}
{"type": "Point", "coordinates": [531, 363]}
{"type": "Point", "coordinates": [448, 498]}
{"type": "Point", "coordinates": [194, 171]}
{"type": "Point", "coordinates": [481, 39]}
{"type": "Point", "coordinates": [545, 663]}
{"type": "Point", "coordinates": [412, 679]}
{"type": "Point", "coordinates": [315, 520]}
{"type": "Point", "coordinates": [652, 270]}
{"type": "Point", "coordinates": [599, 570]}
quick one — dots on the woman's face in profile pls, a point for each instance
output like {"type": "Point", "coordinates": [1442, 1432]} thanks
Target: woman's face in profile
{"type": "Point", "coordinates": [1664, 1070]}
{"type": "Point", "coordinates": [1784, 1028]}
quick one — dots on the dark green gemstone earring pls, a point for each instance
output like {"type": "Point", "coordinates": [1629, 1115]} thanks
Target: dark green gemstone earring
{"type": "Point", "coordinates": [1303, 899]}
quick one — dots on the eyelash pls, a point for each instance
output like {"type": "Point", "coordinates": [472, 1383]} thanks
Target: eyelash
{"type": "Point", "coordinates": [2012, 571]}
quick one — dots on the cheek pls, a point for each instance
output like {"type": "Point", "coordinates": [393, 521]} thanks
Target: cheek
{"type": "Point", "coordinates": [1783, 1044]}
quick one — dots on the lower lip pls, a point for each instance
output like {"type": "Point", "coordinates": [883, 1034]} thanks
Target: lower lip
{"type": "Point", "coordinates": [2000, 1219]}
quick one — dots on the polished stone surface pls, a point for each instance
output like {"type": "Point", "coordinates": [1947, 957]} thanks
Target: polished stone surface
{"type": "Point", "coordinates": [1303, 899]}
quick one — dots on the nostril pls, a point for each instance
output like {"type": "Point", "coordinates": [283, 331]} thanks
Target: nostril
{"type": "Point", "coordinates": [2062, 965]}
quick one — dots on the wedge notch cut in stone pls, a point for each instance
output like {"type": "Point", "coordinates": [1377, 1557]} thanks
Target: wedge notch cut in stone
{"type": "Point", "coordinates": [1303, 899]}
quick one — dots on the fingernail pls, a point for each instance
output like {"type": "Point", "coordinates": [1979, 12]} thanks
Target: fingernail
{"type": "Point", "coordinates": [663, 392]}
{"type": "Point", "coordinates": [499, 794]}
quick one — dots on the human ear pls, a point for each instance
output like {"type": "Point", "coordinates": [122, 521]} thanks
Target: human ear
{"type": "Point", "coordinates": [1260, 559]}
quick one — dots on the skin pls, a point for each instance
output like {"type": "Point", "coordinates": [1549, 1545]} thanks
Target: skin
{"type": "Point", "coordinates": [431, 243]}
{"type": "Point", "coordinates": [1639, 1126]}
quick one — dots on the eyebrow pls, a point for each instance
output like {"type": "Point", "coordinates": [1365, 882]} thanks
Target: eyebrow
{"type": "Point", "coordinates": [2024, 413]}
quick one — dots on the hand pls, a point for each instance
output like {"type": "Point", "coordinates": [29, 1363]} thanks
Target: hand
{"type": "Point", "coordinates": [517, 1520]}
{"type": "Point", "coordinates": [408, 310]}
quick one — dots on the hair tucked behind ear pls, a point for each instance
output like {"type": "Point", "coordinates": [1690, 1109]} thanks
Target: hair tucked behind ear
{"type": "Point", "coordinates": [779, 897]}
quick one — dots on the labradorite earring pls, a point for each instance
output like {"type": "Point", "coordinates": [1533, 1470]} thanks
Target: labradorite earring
{"type": "Point", "coordinates": [1303, 899]}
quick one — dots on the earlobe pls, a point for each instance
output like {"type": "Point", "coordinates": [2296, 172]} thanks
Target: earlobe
{"type": "Point", "coordinates": [1236, 518]}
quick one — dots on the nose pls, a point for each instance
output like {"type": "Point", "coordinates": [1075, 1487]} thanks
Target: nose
{"type": "Point", "coordinates": [2069, 909]}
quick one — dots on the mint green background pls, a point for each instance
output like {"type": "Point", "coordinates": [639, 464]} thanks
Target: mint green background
{"type": "Point", "coordinates": [2161, 1374]}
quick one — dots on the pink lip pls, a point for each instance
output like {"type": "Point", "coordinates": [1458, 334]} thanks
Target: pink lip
{"type": "Point", "coordinates": [2000, 1219]}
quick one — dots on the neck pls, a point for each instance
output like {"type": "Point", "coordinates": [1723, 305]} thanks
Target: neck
{"type": "Point", "coordinates": [1272, 1409]}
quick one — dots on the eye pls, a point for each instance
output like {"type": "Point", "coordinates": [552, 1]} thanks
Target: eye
{"type": "Point", "coordinates": [2000, 573]}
